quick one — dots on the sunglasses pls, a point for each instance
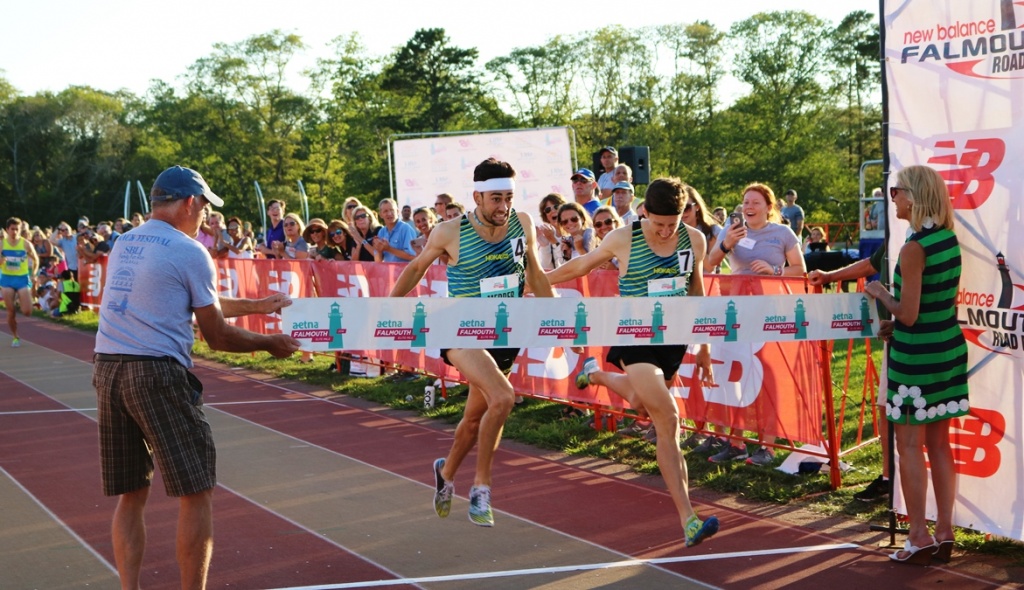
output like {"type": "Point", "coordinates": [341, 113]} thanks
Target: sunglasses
{"type": "Point", "coordinates": [232, 227]}
{"type": "Point", "coordinates": [363, 216]}
{"type": "Point", "coordinates": [549, 209]}
{"type": "Point", "coordinates": [689, 206]}
{"type": "Point", "coordinates": [351, 206]}
{"type": "Point", "coordinates": [290, 224]}
{"type": "Point", "coordinates": [338, 232]}
{"type": "Point", "coordinates": [316, 230]}
{"type": "Point", "coordinates": [894, 189]}
{"type": "Point", "coordinates": [605, 223]}
{"type": "Point", "coordinates": [565, 221]}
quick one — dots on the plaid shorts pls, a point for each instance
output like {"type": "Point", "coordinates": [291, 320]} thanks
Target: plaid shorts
{"type": "Point", "coordinates": [146, 408]}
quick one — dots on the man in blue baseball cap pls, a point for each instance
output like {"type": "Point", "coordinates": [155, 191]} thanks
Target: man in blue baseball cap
{"type": "Point", "coordinates": [158, 277]}
{"type": "Point", "coordinates": [180, 183]}
{"type": "Point", "coordinates": [584, 185]}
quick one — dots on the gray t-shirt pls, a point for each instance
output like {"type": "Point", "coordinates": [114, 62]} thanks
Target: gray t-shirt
{"type": "Point", "coordinates": [770, 244]}
{"type": "Point", "coordinates": [156, 276]}
{"type": "Point", "coordinates": [794, 214]}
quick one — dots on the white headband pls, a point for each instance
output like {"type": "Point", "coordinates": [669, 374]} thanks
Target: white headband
{"type": "Point", "coordinates": [494, 184]}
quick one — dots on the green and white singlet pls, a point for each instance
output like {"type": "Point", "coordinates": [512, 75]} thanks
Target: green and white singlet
{"type": "Point", "coordinates": [645, 265]}
{"type": "Point", "coordinates": [480, 259]}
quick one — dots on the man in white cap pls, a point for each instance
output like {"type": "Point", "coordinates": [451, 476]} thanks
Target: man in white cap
{"type": "Point", "coordinates": [622, 200]}
{"type": "Point", "coordinates": [148, 402]}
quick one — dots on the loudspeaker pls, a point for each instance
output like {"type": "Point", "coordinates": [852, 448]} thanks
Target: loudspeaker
{"type": "Point", "coordinates": [637, 157]}
{"type": "Point", "coordinates": [596, 167]}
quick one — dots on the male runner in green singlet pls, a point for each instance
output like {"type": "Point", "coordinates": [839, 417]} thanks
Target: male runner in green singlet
{"type": "Point", "coordinates": [651, 252]}
{"type": "Point", "coordinates": [490, 241]}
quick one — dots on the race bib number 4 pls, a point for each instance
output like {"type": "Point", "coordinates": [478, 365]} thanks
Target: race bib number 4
{"type": "Point", "coordinates": [518, 247]}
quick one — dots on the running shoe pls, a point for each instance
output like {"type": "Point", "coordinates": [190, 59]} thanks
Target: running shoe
{"type": "Point", "coordinates": [583, 378]}
{"type": "Point", "coordinates": [636, 429]}
{"type": "Point", "coordinates": [729, 453]}
{"type": "Point", "coordinates": [693, 441]}
{"type": "Point", "coordinates": [876, 490]}
{"type": "Point", "coordinates": [651, 435]}
{"type": "Point", "coordinates": [761, 457]}
{"type": "Point", "coordinates": [697, 530]}
{"type": "Point", "coordinates": [443, 491]}
{"type": "Point", "coordinates": [480, 512]}
{"type": "Point", "coordinates": [16, 343]}
{"type": "Point", "coordinates": [711, 446]}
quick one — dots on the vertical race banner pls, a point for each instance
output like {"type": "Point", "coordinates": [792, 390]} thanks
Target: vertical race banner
{"type": "Point", "coordinates": [955, 100]}
{"type": "Point", "coordinates": [425, 168]}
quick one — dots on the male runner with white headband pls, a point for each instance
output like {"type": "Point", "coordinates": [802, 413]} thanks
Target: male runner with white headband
{"type": "Point", "coordinates": [491, 241]}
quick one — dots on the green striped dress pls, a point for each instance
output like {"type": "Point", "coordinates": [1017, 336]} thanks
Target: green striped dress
{"type": "Point", "coordinates": [480, 259]}
{"type": "Point", "coordinates": [928, 361]}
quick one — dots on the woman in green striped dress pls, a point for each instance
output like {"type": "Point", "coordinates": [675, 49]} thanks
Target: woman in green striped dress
{"type": "Point", "coordinates": [927, 358]}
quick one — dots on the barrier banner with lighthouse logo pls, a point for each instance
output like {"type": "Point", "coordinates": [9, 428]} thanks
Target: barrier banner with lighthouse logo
{"type": "Point", "coordinates": [955, 77]}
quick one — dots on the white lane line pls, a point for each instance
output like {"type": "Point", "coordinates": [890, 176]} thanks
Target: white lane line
{"type": "Point", "coordinates": [71, 532]}
{"type": "Point", "coordinates": [575, 568]}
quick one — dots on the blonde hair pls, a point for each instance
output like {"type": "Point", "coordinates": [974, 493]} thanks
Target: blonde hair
{"type": "Point", "coordinates": [929, 196]}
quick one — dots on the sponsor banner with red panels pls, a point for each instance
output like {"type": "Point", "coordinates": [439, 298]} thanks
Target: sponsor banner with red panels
{"type": "Point", "coordinates": [955, 78]}
{"type": "Point", "coordinates": [772, 388]}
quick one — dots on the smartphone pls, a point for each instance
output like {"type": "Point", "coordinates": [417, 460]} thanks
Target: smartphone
{"type": "Point", "coordinates": [735, 219]}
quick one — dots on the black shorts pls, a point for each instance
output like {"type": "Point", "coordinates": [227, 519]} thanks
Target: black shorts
{"type": "Point", "coordinates": [504, 357]}
{"type": "Point", "coordinates": [667, 357]}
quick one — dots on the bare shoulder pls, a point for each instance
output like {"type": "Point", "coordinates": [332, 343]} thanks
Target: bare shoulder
{"type": "Point", "coordinates": [697, 240]}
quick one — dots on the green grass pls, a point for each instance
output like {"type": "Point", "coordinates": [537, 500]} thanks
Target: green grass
{"type": "Point", "coordinates": [539, 423]}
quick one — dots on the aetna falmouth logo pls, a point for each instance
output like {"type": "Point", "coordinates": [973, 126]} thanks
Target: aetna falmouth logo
{"type": "Point", "coordinates": [980, 49]}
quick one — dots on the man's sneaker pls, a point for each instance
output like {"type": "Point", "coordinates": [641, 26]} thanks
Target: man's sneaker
{"type": "Point", "coordinates": [697, 530]}
{"type": "Point", "coordinates": [876, 490]}
{"type": "Point", "coordinates": [761, 457]}
{"type": "Point", "coordinates": [693, 441]}
{"type": "Point", "coordinates": [16, 343]}
{"type": "Point", "coordinates": [443, 491]}
{"type": "Point", "coordinates": [480, 506]}
{"type": "Point", "coordinates": [711, 446]}
{"type": "Point", "coordinates": [583, 377]}
{"type": "Point", "coordinates": [651, 435]}
{"type": "Point", "coordinates": [729, 453]}
{"type": "Point", "coordinates": [636, 429]}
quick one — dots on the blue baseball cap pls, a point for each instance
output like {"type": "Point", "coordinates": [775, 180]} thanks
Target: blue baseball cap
{"type": "Point", "coordinates": [622, 184]}
{"type": "Point", "coordinates": [585, 173]}
{"type": "Point", "coordinates": [181, 183]}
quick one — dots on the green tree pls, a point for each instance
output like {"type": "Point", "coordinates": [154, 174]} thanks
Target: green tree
{"type": "Point", "coordinates": [434, 83]}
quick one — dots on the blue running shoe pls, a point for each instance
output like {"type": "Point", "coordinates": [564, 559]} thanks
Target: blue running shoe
{"type": "Point", "coordinates": [443, 491]}
{"type": "Point", "coordinates": [697, 530]}
{"type": "Point", "coordinates": [583, 378]}
{"type": "Point", "coordinates": [480, 512]}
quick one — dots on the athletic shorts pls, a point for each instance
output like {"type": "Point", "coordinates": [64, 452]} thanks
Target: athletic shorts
{"type": "Point", "coordinates": [147, 408]}
{"type": "Point", "coordinates": [16, 282]}
{"type": "Point", "coordinates": [666, 357]}
{"type": "Point", "coordinates": [504, 357]}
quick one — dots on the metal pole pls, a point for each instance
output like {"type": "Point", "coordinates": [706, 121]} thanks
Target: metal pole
{"type": "Point", "coordinates": [305, 203]}
{"type": "Point", "coordinates": [142, 197]}
{"type": "Point", "coordinates": [262, 208]}
{"type": "Point", "coordinates": [127, 197]}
